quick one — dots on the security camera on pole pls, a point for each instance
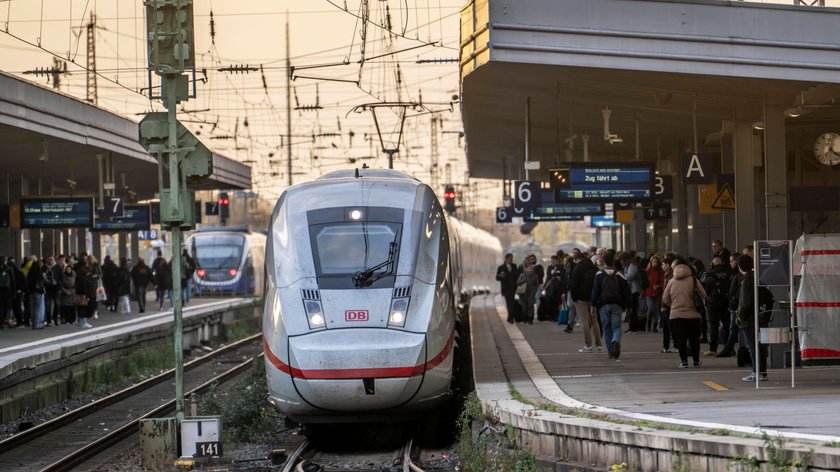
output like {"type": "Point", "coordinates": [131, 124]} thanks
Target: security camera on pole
{"type": "Point", "coordinates": [181, 157]}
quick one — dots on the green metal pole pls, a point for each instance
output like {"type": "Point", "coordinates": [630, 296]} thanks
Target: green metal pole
{"type": "Point", "coordinates": [175, 202]}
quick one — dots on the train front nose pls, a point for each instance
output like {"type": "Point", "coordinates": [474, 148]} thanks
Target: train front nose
{"type": "Point", "coordinates": [357, 369]}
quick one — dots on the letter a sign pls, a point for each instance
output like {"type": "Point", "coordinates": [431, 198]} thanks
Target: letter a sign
{"type": "Point", "coordinates": [697, 169]}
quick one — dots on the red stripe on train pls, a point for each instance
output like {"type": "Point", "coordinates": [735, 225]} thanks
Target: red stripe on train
{"type": "Point", "coordinates": [376, 372]}
{"type": "Point", "coordinates": [820, 252]}
{"type": "Point", "coordinates": [817, 304]}
{"type": "Point", "coordinates": [820, 353]}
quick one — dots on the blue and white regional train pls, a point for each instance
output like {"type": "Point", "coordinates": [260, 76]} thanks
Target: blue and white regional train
{"type": "Point", "coordinates": [364, 276]}
{"type": "Point", "coordinates": [229, 261]}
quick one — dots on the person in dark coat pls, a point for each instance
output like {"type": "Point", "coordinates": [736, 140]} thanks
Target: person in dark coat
{"type": "Point", "coordinates": [163, 280]}
{"type": "Point", "coordinates": [580, 289]}
{"type": "Point", "coordinates": [506, 274]}
{"type": "Point", "coordinates": [110, 272]}
{"type": "Point", "coordinates": [36, 282]}
{"type": "Point", "coordinates": [86, 285]}
{"type": "Point", "coordinates": [20, 293]}
{"type": "Point", "coordinates": [155, 265]}
{"type": "Point", "coordinates": [67, 290]}
{"type": "Point", "coordinates": [123, 282]}
{"type": "Point", "coordinates": [141, 275]}
{"type": "Point", "coordinates": [7, 291]}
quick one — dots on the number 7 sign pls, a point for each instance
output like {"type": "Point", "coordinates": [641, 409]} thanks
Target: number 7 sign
{"type": "Point", "coordinates": [113, 207]}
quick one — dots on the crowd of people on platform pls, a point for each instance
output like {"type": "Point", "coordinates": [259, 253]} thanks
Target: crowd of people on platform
{"type": "Point", "coordinates": [50, 291]}
{"type": "Point", "coordinates": [689, 303]}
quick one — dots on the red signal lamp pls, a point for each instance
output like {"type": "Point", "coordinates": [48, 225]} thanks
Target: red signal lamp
{"type": "Point", "coordinates": [449, 195]}
{"type": "Point", "coordinates": [201, 273]}
{"type": "Point", "coordinates": [233, 272]}
{"type": "Point", "coordinates": [224, 201]}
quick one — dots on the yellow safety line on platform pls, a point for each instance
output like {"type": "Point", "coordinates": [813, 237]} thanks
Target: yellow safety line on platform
{"type": "Point", "coordinates": [714, 385]}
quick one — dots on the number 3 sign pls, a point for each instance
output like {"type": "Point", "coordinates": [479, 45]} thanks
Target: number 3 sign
{"type": "Point", "coordinates": [527, 195]}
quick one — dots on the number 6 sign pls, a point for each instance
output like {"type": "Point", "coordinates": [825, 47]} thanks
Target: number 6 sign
{"type": "Point", "coordinates": [504, 214]}
{"type": "Point", "coordinates": [527, 195]}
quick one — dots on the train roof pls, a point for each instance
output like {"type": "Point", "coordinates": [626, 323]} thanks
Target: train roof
{"type": "Point", "coordinates": [366, 172]}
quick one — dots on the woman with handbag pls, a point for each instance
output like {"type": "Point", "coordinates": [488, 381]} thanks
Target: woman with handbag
{"type": "Point", "coordinates": [684, 318]}
{"type": "Point", "coordinates": [67, 292]}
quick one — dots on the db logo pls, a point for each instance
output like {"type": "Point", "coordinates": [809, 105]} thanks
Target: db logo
{"type": "Point", "coordinates": [356, 315]}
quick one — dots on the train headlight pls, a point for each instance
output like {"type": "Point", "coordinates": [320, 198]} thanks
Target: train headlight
{"type": "Point", "coordinates": [399, 309]}
{"type": "Point", "coordinates": [314, 313]}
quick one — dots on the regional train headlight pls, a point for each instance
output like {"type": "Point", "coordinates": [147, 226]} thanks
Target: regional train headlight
{"type": "Point", "coordinates": [399, 310]}
{"type": "Point", "coordinates": [314, 313]}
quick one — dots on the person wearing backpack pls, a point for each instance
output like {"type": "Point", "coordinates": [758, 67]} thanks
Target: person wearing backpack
{"type": "Point", "coordinates": [610, 297]}
{"type": "Point", "coordinates": [684, 317]}
{"type": "Point", "coordinates": [716, 282]}
{"type": "Point", "coordinates": [7, 291]}
{"type": "Point", "coordinates": [746, 317]}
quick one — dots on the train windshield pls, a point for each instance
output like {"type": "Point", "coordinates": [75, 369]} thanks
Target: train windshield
{"type": "Point", "coordinates": [218, 252]}
{"type": "Point", "coordinates": [348, 247]}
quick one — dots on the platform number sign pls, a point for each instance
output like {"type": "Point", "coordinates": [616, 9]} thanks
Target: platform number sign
{"type": "Point", "coordinates": [504, 214]}
{"type": "Point", "coordinates": [211, 208]}
{"type": "Point", "coordinates": [527, 196]}
{"type": "Point", "coordinates": [113, 207]}
{"type": "Point", "coordinates": [663, 187]}
{"type": "Point", "coordinates": [208, 449]}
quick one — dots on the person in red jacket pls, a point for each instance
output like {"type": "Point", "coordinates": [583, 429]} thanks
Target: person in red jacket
{"type": "Point", "coordinates": [653, 293]}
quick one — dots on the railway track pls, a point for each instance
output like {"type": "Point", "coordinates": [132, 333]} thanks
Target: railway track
{"type": "Point", "coordinates": [67, 441]}
{"type": "Point", "coordinates": [307, 458]}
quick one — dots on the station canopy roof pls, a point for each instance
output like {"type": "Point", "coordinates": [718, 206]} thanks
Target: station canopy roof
{"type": "Point", "coordinates": [658, 63]}
{"type": "Point", "coordinates": [55, 137]}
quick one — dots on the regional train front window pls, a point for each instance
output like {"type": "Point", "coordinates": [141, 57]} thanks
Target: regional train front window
{"type": "Point", "coordinates": [218, 252]}
{"type": "Point", "coordinates": [344, 248]}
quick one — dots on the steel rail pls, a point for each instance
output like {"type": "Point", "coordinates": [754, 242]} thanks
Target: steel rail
{"type": "Point", "coordinates": [55, 423]}
{"type": "Point", "coordinates": [292, 460]}
{"type": "Point", "coordinates": [102, 444]}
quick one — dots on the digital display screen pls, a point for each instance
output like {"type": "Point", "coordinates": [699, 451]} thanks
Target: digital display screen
{"type": "Point", "coordinates": [537, 217]}
{"type": "Point", "coordinates": [56, 212]}
{"type": "Point", "coordinates": [570, 209]}
{"type": "Point", "coordinates": [605, 221]}
{"type": "Point", "coordinates": [137, 218]}
{"type": "Point", "coordinates": [603, 182]}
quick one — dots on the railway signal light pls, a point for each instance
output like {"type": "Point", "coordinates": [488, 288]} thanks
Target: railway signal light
{"type": "Point", "coordinates": [224, 206]}
{"type": "Point", "coordinates": [449, 196]}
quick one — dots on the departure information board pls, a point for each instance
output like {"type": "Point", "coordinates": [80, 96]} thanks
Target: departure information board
{"type": "Point", "coordinates": [606, 221]}
{"type": "Point", "coordinates": [570, 209]}
{"type": "Point", "coordinates": [597, 182]}
{"type": "Point", "coordinates": [538, 217]}
{"type": "Point", "coordinates": [56, 212]}
{"type": "Point", "coordinates": [137, 218]}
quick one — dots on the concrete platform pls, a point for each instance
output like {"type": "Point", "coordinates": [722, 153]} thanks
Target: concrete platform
{"type": "Point", "coordinates": [644, 409]}
{"type": "Point", "coordinates": [41, 367]}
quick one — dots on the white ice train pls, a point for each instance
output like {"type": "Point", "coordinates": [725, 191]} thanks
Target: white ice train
{"type": "Point", "coordinates": [365, 275]}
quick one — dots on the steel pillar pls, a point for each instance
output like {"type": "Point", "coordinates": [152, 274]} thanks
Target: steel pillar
{"type": "Point", "coordinates": [745, 214]}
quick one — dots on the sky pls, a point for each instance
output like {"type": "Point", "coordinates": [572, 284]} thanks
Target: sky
{"type": "Point", "coordinates": [243, 115]}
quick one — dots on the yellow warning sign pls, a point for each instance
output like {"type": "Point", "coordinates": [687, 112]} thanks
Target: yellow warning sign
{"type": "Point", "coordinates": [706, 194]}
{"type": "Point", "coordinates": [725, 199]}
{"type": "Point", "coordinates": [624, 216]}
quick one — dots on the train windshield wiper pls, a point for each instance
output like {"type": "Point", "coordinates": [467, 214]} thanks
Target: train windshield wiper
{"type": "Point", "coordinates": [368, 276]}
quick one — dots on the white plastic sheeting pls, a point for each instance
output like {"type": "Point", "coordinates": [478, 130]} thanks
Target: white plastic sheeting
{"type": "Point", "coordinates": [817, 260]}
